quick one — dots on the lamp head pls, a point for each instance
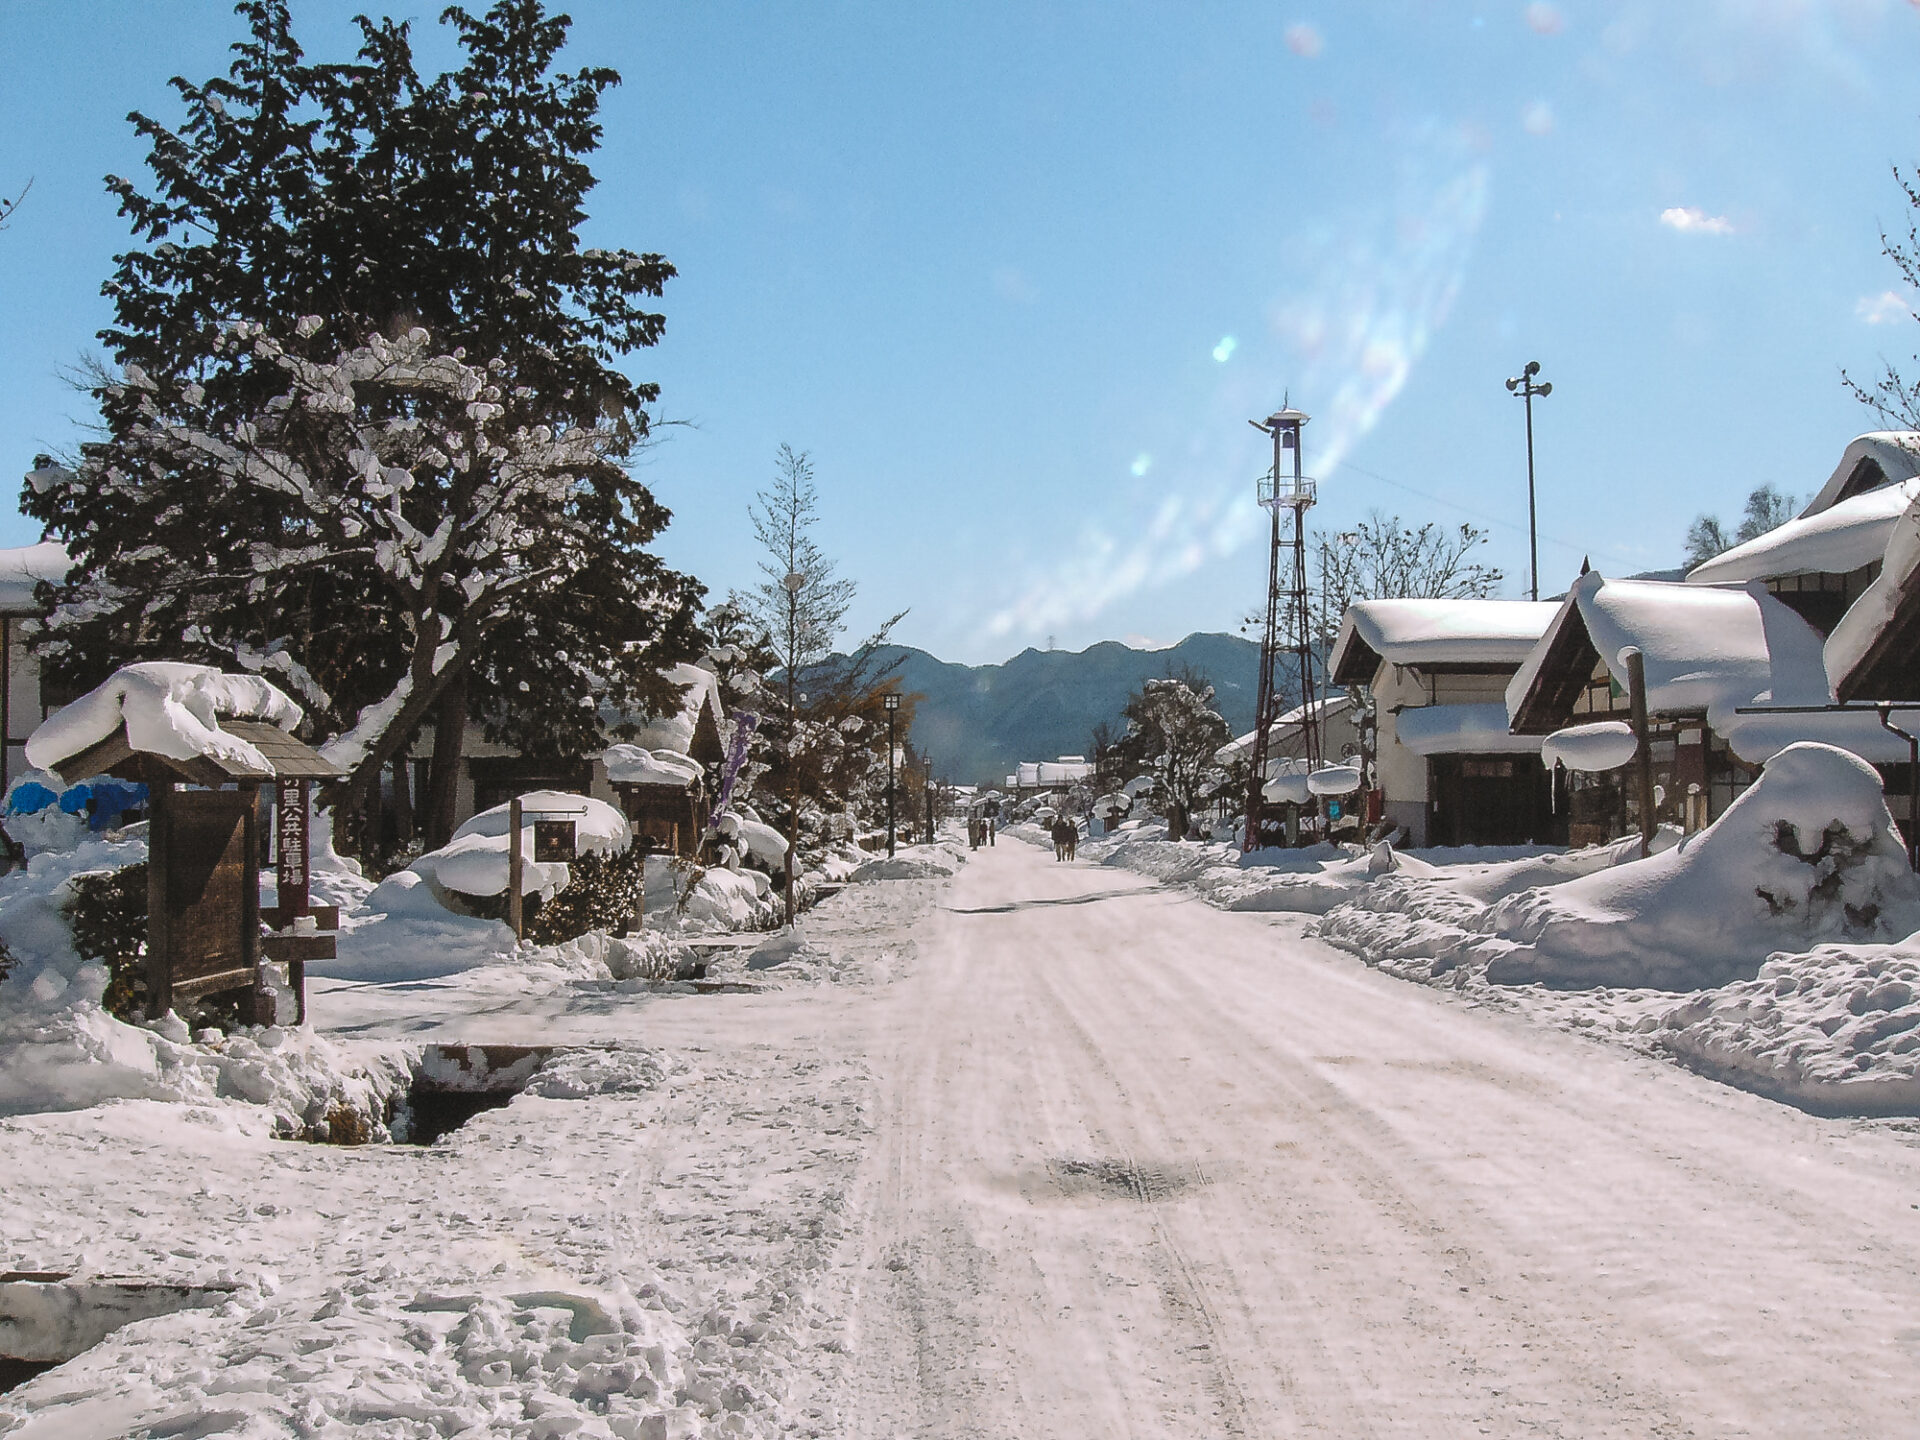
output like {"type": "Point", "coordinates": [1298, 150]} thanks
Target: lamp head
{"type": "Point", "coordinates": [1513, 384]}
{"type": "Point", "coordinates": [891, 700]}
{"type": "Point", "coordinates": [1544, 388]}
{"type": "Point", "coordinates": [1533, 368]}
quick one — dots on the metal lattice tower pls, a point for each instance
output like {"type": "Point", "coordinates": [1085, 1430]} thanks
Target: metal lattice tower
{"type": "Point", "coordinates": [1289, 622]}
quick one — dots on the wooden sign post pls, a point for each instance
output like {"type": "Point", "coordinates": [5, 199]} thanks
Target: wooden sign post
{"type": "Point", "coordinates": [295, 922]}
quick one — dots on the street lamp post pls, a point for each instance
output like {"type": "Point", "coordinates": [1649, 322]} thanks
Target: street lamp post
{"type": "Point", "coordinates": [892, 702]}
{"type": "Point", "coordinates": [792, 584]}
{"type": "Point", "coordinates": [1523, 385]}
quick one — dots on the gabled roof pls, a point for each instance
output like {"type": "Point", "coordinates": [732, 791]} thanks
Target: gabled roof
{"type": "Point", "coordinates": [1325, 707]}
{"type": "Point", "coordinates": [1435, 633]}
{"type": "Point", "coordinates": [674, 733]}
{"type": "Point", "coordinates": [1839, 539]}
{"type": "Point", "coordinates": [1708, 650]}
{"type": "Point", "coordinates": [1869, 461]}
{"type": "Point", "coordinates": [1874, 652]}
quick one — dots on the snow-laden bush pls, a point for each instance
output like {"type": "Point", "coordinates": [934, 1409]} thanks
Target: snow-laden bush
{"type": "Point", "coordinates": [107, 912]}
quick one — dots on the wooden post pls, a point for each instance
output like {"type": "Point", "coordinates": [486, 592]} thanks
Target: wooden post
{"type": "Point", "coordinates": [515, 910]}
{"type": "Point", "coordinates": [159, 926]}
{"type": "Point", "coordinates": [1643, 746]}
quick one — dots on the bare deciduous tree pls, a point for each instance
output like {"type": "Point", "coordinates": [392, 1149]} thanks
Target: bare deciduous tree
{"type": "Point", "coordinates": [1383, 558]}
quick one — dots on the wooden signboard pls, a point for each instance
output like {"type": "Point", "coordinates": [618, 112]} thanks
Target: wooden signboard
{"type": "Point", "coordinates": [202, 897]}
{"type": "Point", "coordinates": [553, 841]}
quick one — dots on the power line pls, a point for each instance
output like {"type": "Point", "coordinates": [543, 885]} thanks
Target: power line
{"type": "Point", "coordinates": [1483, 515]}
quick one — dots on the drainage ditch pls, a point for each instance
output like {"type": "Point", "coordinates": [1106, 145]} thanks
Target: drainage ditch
{"type": "Point", "coordinates": [454, 1083]}
{"type": "Point", "coordinates": [48, 1317]}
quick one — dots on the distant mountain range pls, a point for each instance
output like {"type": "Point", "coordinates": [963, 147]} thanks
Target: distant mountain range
{"type": "Point", "coordinates": [979, 721]}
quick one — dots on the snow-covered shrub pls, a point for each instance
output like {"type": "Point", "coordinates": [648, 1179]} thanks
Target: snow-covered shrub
{"type": "Point", "coordinates": [603, 893]}
{"type": "Point", "coordinates": [107, 912]}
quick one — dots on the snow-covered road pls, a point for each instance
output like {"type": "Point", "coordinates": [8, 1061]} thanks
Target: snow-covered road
{"type": "Point", "coordinates": [1144, 1168]}
{"type": "Point", "coordinates": [1044, 1150]}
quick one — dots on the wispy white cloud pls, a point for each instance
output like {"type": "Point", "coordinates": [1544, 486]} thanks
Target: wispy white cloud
{"type": "Point", "coordinates": [1882, 309]}
{"type": "Point", "coordinates": [1692, 220]}
{"type": "Point", "coordinates": [1537, 118]}
{"type": "Point", "coordinates": [1366, 295]}
{"type": "Point", "coordinates": [1545, 19]}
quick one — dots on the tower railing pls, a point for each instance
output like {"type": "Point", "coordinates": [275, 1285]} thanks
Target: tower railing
{"type": "Point", "coordinates": [1290, 492]}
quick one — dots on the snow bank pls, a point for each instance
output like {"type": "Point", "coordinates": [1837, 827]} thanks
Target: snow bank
{"type": "Point", "coordinates": [168, 709]}
{"type": "Point", "coordinates": [475, 861]}
{"type": "Point", "coordinates": [1835, 1029]}
{"type": "Point", "coordinates": [1808, 854]}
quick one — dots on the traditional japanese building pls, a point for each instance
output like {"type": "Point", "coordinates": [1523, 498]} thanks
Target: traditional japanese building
{"type": "Point", "coordinates": [1447, 768]}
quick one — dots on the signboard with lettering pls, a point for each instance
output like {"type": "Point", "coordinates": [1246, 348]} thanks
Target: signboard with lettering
{"type": "Point", "coordinates": [553, 841]}
{"type": "Point", "coordinates": [290, 846]}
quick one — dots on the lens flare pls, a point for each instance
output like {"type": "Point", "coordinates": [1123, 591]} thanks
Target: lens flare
{"type": "Point", "coordinates": [1142, 463]}
{"type": "Point", "coordinates": [1223, 352]}
{"type": "Point", "coordinates": [1343, 341]}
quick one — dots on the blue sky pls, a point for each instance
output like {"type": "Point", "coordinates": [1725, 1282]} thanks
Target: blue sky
{"type": "Point", "coordinates": [1016, 275]}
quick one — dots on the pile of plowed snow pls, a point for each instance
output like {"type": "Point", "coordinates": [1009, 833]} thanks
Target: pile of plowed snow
{"type": "Point", "coordinates": [1807, 855]}
{"type": "Point", "coordinates": [1835, 1029]}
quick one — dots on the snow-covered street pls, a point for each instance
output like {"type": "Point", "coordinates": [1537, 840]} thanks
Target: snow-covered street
{"type": "Point", "coordinates": [1043, 1150]}
{"type": "Point", "coordinates": [1145, 1168]}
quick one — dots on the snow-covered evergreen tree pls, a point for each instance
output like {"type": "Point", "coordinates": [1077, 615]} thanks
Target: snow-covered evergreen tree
{"type": "Point", "coordinates": [356, 237]}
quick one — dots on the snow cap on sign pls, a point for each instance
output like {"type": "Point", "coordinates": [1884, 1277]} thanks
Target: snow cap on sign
{"type": "Point", "coordinates": [475, 860]}
{"type": "Point", "coordinates": [1603, 745]}
{"type": "Point", "coordinates": [1334, 780]}
{"type": "Point", "coordinates": [169, 709]}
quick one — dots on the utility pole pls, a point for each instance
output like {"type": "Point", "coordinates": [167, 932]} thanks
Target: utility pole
{"type": "Point", "coordinates": [892, 701]}
{"type": "Point", "coordinates": [1523, 385]}
{"type": "Point", "coordinates": [792, 585]}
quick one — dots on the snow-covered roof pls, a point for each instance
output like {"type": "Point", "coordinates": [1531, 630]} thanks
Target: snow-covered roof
{"type": "Point", "coordinates": [1869, 460]}
{"type": "Point", "coordinates": [636, 765]}
{"type": "Point", "coordinates": [168, 709]}
{"type": "Point", "coordinates": [1461, 730]}
{"type": "Point", "coordinates": [1325, 707]}
{"type": "Point", "coordinates": [1063, 771]}
{"type": "Point", "coordinates": [1866, 632]}
{"type": "Point", "coordinates": [1435, 632]}
{"type": "Point", "coordinates": [24, 566]}
{"type": "Point", "coordinates": [1834, 541]}
{"type": "Point", "coordinates": [675, 732]}
{"type": "Point", "coordinates": [1707, 649]}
